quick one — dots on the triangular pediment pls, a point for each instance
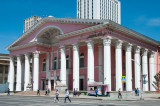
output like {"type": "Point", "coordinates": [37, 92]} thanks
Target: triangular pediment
{"type": "Point", "coordinates": [52, 27]}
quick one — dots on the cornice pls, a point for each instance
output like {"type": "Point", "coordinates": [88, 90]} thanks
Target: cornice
{"type": "Point", "coordinates": [132, 33]}
{"type": "Point", "coordinates": [29, 45]}
{"type": "Point", "coordinates": [112, 26]}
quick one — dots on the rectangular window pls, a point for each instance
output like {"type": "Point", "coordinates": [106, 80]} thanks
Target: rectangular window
{"type": "Point", "coordinates": [81, 62]}
{"type": "Point", "coordinates": [67, 64]}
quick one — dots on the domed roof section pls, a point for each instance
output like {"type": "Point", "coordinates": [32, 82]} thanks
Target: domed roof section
{"type": "Point", "coordinates": [48, 35]}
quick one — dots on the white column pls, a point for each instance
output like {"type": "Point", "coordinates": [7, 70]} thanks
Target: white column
{"type": "Point", "coordinates": [75, 66]}
{"type": "Point", "coordinates": [128, 67]}
{"type": "Point", "coordinates": [137, 67]}
{"type": "Point", "coordinates": [100, 62]}
{"type": "Point", "coordinates": [145, 68]}
{"type": "Point", "coordinates": [36, 72]}
{"type": "Point", "coordinates": [118, 58]}
{"type": "Point", "coordinates": [11, 74]}
{"type": "Point", "coordinates": [63, 65]}
{"type": "Point", "coordinates": [27, 71]}
{"type": "Point", "coordinates": [55, 76]}
{"type": "Point", "coordinates": [19, 73]}
{"type": "Point", "coordinates": [152, 70]}
{"type": "Point", "coordinates": [107, 62]}
{"type": "Point", "coordinates": [8, 74]}
{"type": "Point", "coordinates": [23, 74]}
{"type": "Point", "coordinates": [48, 73]}
{"type": "Point", "coordinates": [4, 74]}
{"type": "Point", "coordinates": [90, 61]}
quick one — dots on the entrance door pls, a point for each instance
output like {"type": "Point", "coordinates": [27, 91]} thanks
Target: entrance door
{"type": "Point", "coordinates": [52, 85]}
{"type": "Point", "coordinates": [81, 84]}
{"type": "Point", "coordinates": [43, 84]}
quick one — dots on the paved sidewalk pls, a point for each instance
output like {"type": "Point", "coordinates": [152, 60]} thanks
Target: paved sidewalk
{"type": "Point", "coordinates": [113, 97]}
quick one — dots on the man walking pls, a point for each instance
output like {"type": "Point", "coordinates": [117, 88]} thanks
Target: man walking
{"type": "Point", "coordinates": [57, 94]}
{"type": "Point", "coordinates": [137, 92]}
{"type": "Point", "coordinates": [119, 94]}
{"type": "Point", "coordinates": [46, 92]}
{"type": "Point", "coordinates": [8, 91]}
{"type": "Point", "coordinates": [96, 92]}
{"type": "Point", "coordinates": [67, 96]}
{"type": "Point", "coordinates": [38, 92]}
{"type": "Point", "coordinates": [77, 92]}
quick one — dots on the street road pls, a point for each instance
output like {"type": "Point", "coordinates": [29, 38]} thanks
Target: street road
{"type": "Point", "coordinates": [49, 101]}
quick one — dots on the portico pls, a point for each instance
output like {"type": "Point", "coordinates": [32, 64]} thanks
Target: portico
{"type": "Point", "coordinates": [65, 49]}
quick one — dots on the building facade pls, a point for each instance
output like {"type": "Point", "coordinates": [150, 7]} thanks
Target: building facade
{"type": "Point", "coordinates": [29, 22]}
{"type": "Point", "coordinates": [99, 9]}
{"type": "Point", "coordinates": [79, 52]}
{"type": "Point", "coordinates": [4, 67]}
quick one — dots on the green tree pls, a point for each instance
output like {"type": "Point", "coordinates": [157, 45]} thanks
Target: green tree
{"type": "Point", "coordinates": [156, 83]}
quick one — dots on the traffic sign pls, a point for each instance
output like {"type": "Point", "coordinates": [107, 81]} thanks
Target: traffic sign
{"type": "Point", "coordinates": [123, 79]}
{"type": "Point", "coordinates": [145, 81]}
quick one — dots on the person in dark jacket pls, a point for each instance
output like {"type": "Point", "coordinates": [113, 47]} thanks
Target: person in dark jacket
{"type": "Point", "coordinates": [96, 92]}
{"type": "Point", "coordinates": [8, 91]}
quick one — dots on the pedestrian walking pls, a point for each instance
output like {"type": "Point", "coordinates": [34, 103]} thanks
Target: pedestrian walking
{"type": "Point", "coordinates": [38, 92]}
{"type": "Point", "coordinates": [74, 92]}
{"type": "Point", "coordinates": [48, 91]}
{"type": "Point", "coordinates": [77, 92]}
{"type": "Point", "coordinates": [119, 94]}
{"type": "Point", "coordinates": [8, 91]}
{"type": "Point", "coordinates": [135, 91]}
{"type": "Point", "coordinates": [67, 96]}
{"type": "Point", "coordinates": [96, 92]}
{"type": "Point", "coordinates": [57, 94]}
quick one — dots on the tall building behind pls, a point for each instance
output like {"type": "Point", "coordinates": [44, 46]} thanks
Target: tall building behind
{"type": "Point", "coordinates": [29, 22]}
{"type": "Point", "coordinates": [99, 9]}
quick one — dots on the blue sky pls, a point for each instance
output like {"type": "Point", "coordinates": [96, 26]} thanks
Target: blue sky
{"type": "Point", "coordinates": [142, 16]}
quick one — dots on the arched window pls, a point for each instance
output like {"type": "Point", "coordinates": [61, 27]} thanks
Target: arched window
{"type": "Point", "coordinates": [82, 60]}
{"type": "Point", "coordinates": [67, 61]}
{"type": "Point", "coordinates": [44, 65]}
{"type": "Point", "coordinates": [55, 63]}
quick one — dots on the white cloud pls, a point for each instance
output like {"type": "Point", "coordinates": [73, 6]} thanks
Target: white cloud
{"type": "Point", "coordinates": [153, 22]}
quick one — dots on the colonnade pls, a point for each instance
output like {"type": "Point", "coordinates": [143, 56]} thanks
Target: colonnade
{"type": "Point", "coordinates": [19, 75]}
{"type": "Point", "coordinates": [90, 70]}
{"type": "Point", "coordinates": [118, 65]}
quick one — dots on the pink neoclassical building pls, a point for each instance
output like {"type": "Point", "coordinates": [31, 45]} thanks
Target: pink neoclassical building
{"type": "Point", "coordinates": [79, 52]}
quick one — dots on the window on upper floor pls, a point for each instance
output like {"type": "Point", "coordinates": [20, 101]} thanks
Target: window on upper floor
{"type": "Point", "coordinates": [55, 63]}
{"type": "Point", "coordinates": [81, 60]}
{"type": "Point", "coordinates": [44, 65]}
{"type": "Point", "coordinates": [67, 61]}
